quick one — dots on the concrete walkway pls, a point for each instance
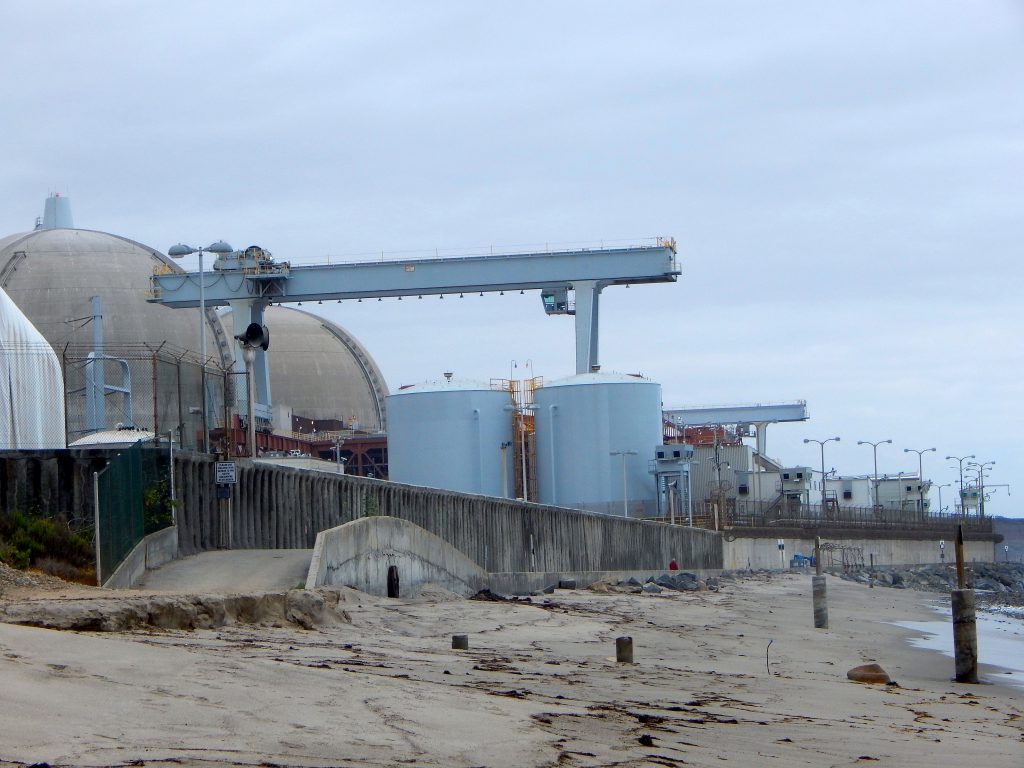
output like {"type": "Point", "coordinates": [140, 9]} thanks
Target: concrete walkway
{"type": "Point", "coordinates": [240, 570]}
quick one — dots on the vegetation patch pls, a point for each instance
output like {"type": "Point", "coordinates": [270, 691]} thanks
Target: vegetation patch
{"type": "Point", "coordinates": [48, 543]}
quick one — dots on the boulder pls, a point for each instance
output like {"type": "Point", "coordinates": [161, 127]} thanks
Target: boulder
{"type": "Point", "coordinates": [872, 674]}
{"type": "Point", "coordinates": [651, 589]}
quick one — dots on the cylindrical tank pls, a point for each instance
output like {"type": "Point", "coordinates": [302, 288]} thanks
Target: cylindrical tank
{"type": "Point", "coordinates": [454, 435]}
{"type": "Point", "coordinates": [595, 437]}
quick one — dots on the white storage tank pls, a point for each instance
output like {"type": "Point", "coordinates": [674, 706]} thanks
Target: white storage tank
{"type": "Point", "coordinates": [451, 434]}
{"type": "Point", "coordinates": [590, 430]}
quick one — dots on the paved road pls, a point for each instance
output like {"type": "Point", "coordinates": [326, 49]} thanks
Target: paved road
{"type": "Point", "coordinates": [240, 570]}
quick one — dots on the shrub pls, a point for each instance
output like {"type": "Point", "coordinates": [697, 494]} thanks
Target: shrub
{"type": "Point", "coordinates": [59, 568]}
{"type": "Point", "coordinates": [157, 507]}
{"type": "Point", "coordinates": [27, 538]}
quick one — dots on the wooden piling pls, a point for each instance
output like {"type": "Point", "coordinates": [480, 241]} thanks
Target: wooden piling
{"type": "Point", "coordinates": [965, 636]}
{"type": "Point", "coordinates": [965, 630]}
{"type": "Point", "coordinates": [820, 602]}
{"type": "Point", "coordinates": [624, 650]}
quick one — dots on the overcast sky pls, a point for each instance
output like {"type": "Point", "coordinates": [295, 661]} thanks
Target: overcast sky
{"type": "Point", "coordinates": [845, 181]}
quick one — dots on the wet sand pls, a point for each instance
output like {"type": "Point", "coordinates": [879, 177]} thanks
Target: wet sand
{"type": "Point", "coordinates": [539, 686]}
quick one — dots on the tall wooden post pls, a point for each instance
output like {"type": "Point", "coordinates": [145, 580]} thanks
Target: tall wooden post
{"type": "Point", "coordinates": [965, 631]}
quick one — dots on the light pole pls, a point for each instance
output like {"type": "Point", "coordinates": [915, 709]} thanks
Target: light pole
{"type": "Point", "coordinates": [920, 472]}
{"type": "Point", "coordinates": [874, 450]}
{"type": "Point", "coordinates": [940, 487]}
{"type": "Point", "coordinates": [981, 483]}
{"type": "Point", "coordinates": [960, 460]}
{"type": "Point", "coordinates": [822, 444]}
{"type": "Point", "coordinates": [625, 496]}
{"type": "Point", "coordinates": [176, 252]}
{"type": "Point", "coordinates": [689, 491]}
{"type": "Point", "coordinates": [504, 468]}
{"type": "Point", "coordinates": [337, 455]}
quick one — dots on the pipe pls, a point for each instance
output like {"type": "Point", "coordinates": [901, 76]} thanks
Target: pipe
{"type": "Point", "coordinates": [551, 419]}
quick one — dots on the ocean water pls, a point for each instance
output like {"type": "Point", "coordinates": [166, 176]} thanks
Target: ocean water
{"type": "Point", "coordinates": [1000, 641]}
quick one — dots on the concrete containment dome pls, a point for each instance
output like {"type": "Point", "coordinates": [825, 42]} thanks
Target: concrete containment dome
{"type": "Point", "coordinates": [322, 372]}
{"type": "Point", "coordinates": [586, 427]}
{"type": "Point", "coordinates": [52, 273]}
{"type": "Point", "coordinates": [316, 367]}
{"type": "Point", "coordinates": [449, 434]}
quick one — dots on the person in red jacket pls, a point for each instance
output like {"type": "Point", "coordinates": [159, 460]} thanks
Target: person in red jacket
{"type": "Point", "coordinates": [673, 565]}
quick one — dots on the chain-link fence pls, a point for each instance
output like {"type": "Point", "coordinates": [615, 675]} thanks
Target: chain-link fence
{"type": "Point", "coordinates": [156, 389]}
{"type": "Point", "coordinates": [31, 397]}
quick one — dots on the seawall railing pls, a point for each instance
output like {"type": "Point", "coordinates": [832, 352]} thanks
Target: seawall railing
{"type": "Point", "coordinates": [281, 508]}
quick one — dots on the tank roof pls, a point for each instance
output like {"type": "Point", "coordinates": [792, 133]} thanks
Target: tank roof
{"type": "Point", "coordinates": [599, 377]}
{"type": "Point", "coordinates": [442, 385]}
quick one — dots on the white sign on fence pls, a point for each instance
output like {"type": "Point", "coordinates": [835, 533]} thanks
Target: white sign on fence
{"type": "Point", "coordinates": [225, 472]}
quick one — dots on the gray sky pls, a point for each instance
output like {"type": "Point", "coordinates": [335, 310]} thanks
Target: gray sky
{"type": "Point", "coordinates": [846, 183]}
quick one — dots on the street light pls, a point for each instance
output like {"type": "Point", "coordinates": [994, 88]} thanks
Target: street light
{"type": "Point", "coordinates": [176, 252]}
{"type": "Point", "coordinates": [623, 454]}
{"type": "Point", "coordinates": [960, 460]}
{"type": "Point", "coordinates": [981, 483]}
{"type": "Point", "coordinates": [874, 450]}
{"type": "Point", "coordinates": [940, 487]}
{"type": "Point", "coordinates": [822, 444]}
{"type": "Point", "coordinates": [920, 471]}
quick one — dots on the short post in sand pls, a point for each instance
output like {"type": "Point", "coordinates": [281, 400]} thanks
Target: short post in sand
{"type": "Point", "coordinates": [624, 650]}
{"type": "Point", "coordinates": [460, 642]}
{"type": "Point", "coordinates": [818, 595]}
{"type": "Point", "coordinates": [965, 631]}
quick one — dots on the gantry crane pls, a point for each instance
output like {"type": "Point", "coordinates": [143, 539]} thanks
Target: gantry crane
{"type": "Point", "coordinates": [251, 279]}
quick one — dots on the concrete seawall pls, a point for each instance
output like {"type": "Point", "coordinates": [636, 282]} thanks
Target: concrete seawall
{"type": "Point", "coordinates": [763, 552]}
{"type": "Point", "coordinates": [280, 508]}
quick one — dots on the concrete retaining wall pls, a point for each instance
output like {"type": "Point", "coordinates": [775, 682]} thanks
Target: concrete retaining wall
{"type": "Point", "coordinates": [282, 508]}
{"type": "Point", "coordinates": [744, 552]}
{"type": "Point", "coordinates": [55, 482]}
{"type": "Point", "coordinates": [359, 554]}
{"type": "Point", "coordinates": [153, 551]}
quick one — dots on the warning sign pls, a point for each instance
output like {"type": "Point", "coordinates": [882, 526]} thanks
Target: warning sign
{"type": "Point", "coordinates": [225, 472]}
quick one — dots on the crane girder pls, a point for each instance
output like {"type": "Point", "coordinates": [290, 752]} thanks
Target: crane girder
{"type": "Point", "coordinates": [282, 282]}
{"type": "Point", "coordinates": [250, 279]}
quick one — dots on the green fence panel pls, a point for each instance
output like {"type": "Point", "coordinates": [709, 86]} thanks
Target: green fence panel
{"type": "Point", "coordinates": [133, 502]}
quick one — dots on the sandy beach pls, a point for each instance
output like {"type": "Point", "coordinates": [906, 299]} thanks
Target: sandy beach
{"type": "Point", "coordinates": [538, 687]}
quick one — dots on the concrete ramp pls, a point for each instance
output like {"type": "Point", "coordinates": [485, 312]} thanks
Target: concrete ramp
{"type": "Point", "coordinates": [231, 571]}
{"type": "Point", "coordinates": [388, 556]}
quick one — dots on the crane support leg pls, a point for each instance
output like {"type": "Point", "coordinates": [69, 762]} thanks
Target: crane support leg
{"type": "Point", "coordinates": [587, 293]}
{"type": "Point", "coordinates": [243, 313]}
